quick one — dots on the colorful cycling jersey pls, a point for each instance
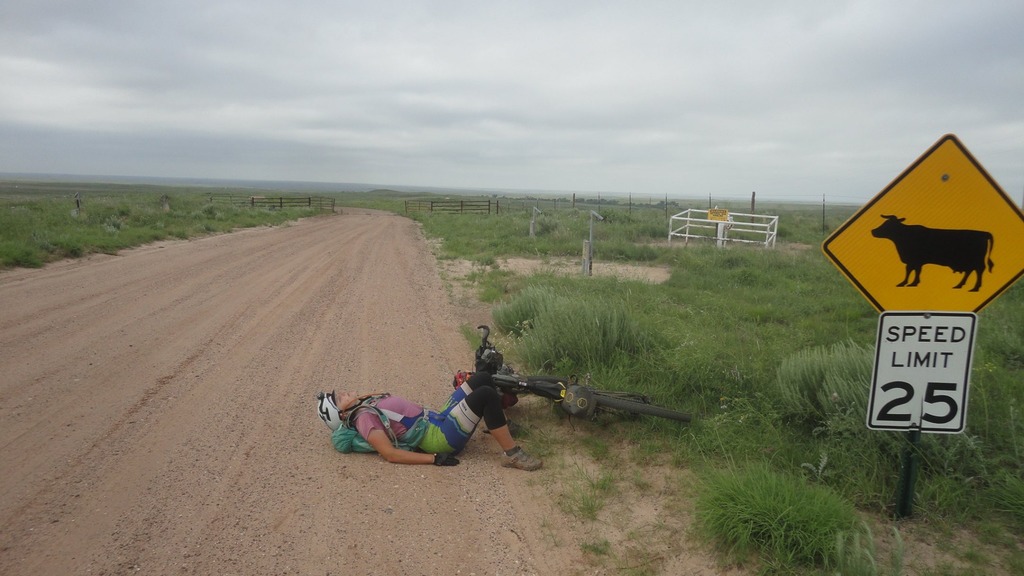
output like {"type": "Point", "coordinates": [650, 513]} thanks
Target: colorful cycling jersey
{"type": "Point", "coordinates": [367, 421]}
{"type": "Point", "coordinates": [451, 428]}
{"type": "Point", "coordinates": [448, 430]}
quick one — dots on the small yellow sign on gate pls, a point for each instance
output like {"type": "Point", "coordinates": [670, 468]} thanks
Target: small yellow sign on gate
{"type": "Point", "coordinates": [942, 236]}
{"type": "Point", "coordinates": [718, 214]}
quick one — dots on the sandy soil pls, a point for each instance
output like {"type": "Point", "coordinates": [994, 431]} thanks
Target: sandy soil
{"type": "Point", "coordinates": [157, 417]}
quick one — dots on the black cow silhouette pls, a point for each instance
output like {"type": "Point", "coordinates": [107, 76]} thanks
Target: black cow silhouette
{"type": "Point", "coordinates": [963, 251]}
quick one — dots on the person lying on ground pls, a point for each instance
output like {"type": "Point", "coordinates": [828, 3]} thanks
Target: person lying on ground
{"type": "Point", "coordinates": [404, 432]}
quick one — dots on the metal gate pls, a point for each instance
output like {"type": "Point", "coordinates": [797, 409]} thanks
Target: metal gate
{"type": "Point", "coordinates": [723, 226]}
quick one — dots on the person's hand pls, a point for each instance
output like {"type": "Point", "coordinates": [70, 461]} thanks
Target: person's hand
{"type": "Point", "coordinates": [445, 460]}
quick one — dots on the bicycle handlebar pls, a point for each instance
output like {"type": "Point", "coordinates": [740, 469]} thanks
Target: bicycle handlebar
{"type": "Point", "coordinates": [485, 331]}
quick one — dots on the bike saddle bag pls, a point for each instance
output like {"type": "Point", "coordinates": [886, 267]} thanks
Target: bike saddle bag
{"type": "Point", "coordinates": [579, 401]}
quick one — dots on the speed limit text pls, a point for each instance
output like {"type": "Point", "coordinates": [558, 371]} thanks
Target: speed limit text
{"type": "Point", "coordinates": [925, 333]}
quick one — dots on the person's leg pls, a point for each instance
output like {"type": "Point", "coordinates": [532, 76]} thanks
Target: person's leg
{"type": "Point", "coordinates": [458, 423]}
{"type": "Point", "coordinates": [503, 437]}
{"type": "Point", "coordinates": [474, 400]}
{"type": "Point", "coordinates": [463, 412]}
{"type": "Point", "coordinates": [479, 379]}
{"type": "Point", "coordinates": [486, 401]}
{"type": "Point", "coordinates": [476, 380]}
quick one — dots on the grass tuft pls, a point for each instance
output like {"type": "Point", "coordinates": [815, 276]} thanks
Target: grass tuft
{"type": "Point", "coordinates": [856, 554]}
{"type": "Point", "coordinates": [783, 517]}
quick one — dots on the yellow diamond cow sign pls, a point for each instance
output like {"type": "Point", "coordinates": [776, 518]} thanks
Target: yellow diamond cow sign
{"type": "Point", "coordinates": [942, 236]}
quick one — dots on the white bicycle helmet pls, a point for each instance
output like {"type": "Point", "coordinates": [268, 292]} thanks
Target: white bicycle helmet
{"type": "Point", "coordinates": [327, 409]}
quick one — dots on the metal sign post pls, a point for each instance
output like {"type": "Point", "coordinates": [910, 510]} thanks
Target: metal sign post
{"type": "Point", "coordinates": [909, 464]}
{"type": "Point", "coordinates": [533, 221]}
{"type": "Point", "coordinates": [588, 249]}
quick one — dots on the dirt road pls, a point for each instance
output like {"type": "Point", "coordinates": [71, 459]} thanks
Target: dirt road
{"type": "Point", "coordinates": [157, 414]}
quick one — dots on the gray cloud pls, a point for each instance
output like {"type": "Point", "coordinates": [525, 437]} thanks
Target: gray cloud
{"type": "Point", "coordinates": [793, 99]}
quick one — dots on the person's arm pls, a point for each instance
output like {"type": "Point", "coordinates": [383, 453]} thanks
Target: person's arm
{"type": "Point", "coordinates": [382, 444]}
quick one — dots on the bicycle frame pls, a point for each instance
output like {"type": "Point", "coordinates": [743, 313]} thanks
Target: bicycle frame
{"type": "Point", "coordinates": [575, 398]}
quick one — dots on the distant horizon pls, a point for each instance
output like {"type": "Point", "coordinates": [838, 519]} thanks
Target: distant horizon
{"type": "Point", "coordinates": [360, 187]}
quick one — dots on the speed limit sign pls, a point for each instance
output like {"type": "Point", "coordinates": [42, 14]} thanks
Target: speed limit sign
{"type": "Point", "coordinates": [922, 370]}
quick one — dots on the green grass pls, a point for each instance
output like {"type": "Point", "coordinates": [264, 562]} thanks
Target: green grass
{"type": "Point", "coordinates": [44, 222]}
{"type": "Point", "coordinates": [855, 554]}
{"type": "Point", "coordinates": [585, 494]}
{"type": "Point", "coordinates": [772, 349]}
{"type": "Point", "coordinates": [566, 334]}
{"type": "Point", "coordinates": [784, 518]}
{"type": "Point", "coordinates": [1006, 496]}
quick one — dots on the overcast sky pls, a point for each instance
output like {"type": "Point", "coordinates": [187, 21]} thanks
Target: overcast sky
{"type": "Point", "coordinates": [791, 99]}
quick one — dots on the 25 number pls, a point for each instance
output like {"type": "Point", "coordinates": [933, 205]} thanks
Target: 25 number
{"type": "Point", "coordinates": [935, 393]}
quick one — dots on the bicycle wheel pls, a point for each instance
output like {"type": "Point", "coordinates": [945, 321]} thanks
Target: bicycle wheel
{"type": "Point", "coordinates": [634, 407]}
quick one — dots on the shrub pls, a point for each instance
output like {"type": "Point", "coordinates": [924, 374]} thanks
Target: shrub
{"type": "Point", "coordinates": [818, 383]}
{"type": "Point", "coordinates": [514, 315]}
{"type": "Point", "coordinates": [1006, 495]}
{"type": "Point", "coordinates": [16, 254]}
{"type": "Point", "coordinates": [555, 329]}
{"type": "Point", "coordinates": [783, 517]}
